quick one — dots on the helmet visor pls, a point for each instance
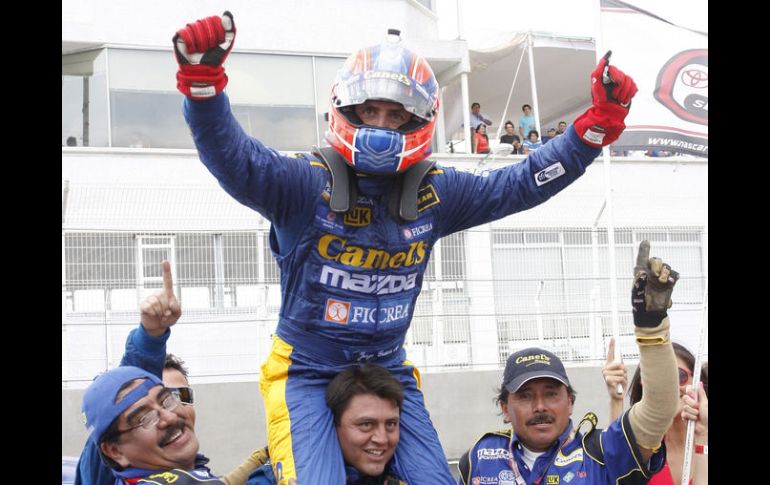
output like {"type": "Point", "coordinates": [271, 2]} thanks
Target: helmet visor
{"type": "Point", "coordinates": [385, 86]}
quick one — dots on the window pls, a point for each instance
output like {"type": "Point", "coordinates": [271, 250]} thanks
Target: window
{"type": "Point", "coordinates": [453, 257]}
{"type": "Point", "coordinates": [241, 257]}
{"type": "Point", "coordinates": [457, 324]}
{"type": "Point", "coordinates": [195, 259]}
{"type": "Point", "coordinates": [145, 106]}
{"type": "Point", "coordinates": [272, 97]}
{"type": "Point", "coordinates": [325, 73]}
{"type": "Point", "coordinates": [542, 282]}
{"type": "Point", "coordinates": [278, 99]}
{"type": "Point", "coordinates": [84, 99]}
{"type": "Point", "coordinates": [95, 260]}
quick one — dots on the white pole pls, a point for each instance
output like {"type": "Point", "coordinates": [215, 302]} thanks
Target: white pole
{"type": "Point", "coordinates": [464, 85]}
{"type": "Point", "coordinates": [466, 113]}
{"type": "Point", "coordinates": [533, 80]}
{"type": "Point", "coordinates": [610, 218]}
{"type": "Point", "coordinates": [440, 129]}
{"type": "Point", "coordinates": [689, 434]}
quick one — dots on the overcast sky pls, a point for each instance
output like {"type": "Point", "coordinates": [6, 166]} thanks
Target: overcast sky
{"type": "Point", "coordinates": [486, 22]}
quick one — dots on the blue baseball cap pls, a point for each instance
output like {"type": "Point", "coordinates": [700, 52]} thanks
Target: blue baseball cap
{"type": "Point", "coordinates": [99, 407]}
{"type": "Point", "coordinates": [532, 363]}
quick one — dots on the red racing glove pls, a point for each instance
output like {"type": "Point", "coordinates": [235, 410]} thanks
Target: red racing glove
{"type": "Point", "coordinates": [201, 48]}
{"type": "Point", "coordinates": [611, 92]}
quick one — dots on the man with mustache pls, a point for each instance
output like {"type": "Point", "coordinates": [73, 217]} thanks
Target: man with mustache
{"type": "Point", "coordinates": [140, 428]}
{"type": "Point", "coordinates": [145, 452]}
{"type": "Point", "coordinates": [543, 448]}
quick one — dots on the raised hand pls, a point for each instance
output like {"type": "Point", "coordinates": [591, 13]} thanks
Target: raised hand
{"type": "Point", "coordinates": [615, 373]}
{"type": "Point", "coordinates": [201, 48]}
{"type": "Point", "coordinates": [654, 281]}
{"type": "Point", "coordinates": [610, 84]}
{"type": "Point", "coordinates": [696, 411]}
{"type": "Point", "coordinates": [161, 309]}
{"type": "Point", "coordinates": [611, 93]}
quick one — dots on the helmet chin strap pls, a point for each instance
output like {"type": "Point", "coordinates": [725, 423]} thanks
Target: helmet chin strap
{"type": "Point", "coordinates": [402, 204]}
{"type": "Point", "coordinates": [344, 191]}
{"type": "Point", "coordinates": [403, 196]}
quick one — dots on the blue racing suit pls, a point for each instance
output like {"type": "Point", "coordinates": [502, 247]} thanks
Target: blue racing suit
{"type": "Point", "coordinates": [349, 282]}
{"type": "Point", "coordinates": [608, 457]}
{"type": "Point", "coordinates": [264, 476]}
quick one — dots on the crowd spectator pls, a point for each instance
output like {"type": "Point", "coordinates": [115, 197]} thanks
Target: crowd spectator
{"type": "Point", "coordinates": [509, 136]}
{"type": "Point", "coordinates": [550, 134]}
{"type": "Point", "coordinates": [480, 139]}
{"type": "Point", "coordinates": [526, 122]}
{"type": "Point", "coordinates": [477, 117]}
{"type": "Point", "coordinates": [532, 142]}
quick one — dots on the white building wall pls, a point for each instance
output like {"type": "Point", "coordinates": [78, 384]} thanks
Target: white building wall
{"type": "Point", "coordinates": [286, 26]}
{"type": "Point", "coordinates": [662, 191]}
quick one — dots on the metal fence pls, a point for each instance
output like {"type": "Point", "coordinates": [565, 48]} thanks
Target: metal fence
{"type": "Point", "coordinates": [487, 291]}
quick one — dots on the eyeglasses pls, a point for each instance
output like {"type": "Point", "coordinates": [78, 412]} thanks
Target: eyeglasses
{"type": "Point", "coordinates": [151, 417]}
{"type": "Point", "coordinates": [684, 375]}
{"type": "Point", "coordinates": [185, 394]}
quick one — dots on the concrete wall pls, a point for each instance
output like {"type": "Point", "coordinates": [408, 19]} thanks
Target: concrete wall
{"type": "Point", "coordinates": [231, 419]}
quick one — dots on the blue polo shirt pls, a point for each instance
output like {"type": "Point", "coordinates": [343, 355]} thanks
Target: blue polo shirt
{"type": "Point", "coordinates": [597, 457]}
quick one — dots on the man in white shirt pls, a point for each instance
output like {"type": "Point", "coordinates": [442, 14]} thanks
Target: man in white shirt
{"type": "Point", "coordinates": [477, 117]}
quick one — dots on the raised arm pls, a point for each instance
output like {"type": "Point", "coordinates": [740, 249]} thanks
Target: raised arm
{"type": "Point", "coordinates": [251, 172]}
{"type": "Point", "coordinates": [650, 298]}
{"type": "Point", "coordinates": [146, 344]}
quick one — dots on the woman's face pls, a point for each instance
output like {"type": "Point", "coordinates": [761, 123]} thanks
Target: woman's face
{"type": "Point", "coordinates": [685, 379]}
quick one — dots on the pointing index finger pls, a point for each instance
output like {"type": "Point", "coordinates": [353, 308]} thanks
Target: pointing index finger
{"type": "Point", "coordinates": [606, 79]}
{"type": "Point", "coordinates": [168, 282]}
{"type": "Point", "coordinates": [611, 350]}
{"type": "Point", "coordinates": [642, 257]}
